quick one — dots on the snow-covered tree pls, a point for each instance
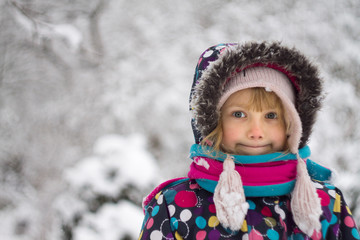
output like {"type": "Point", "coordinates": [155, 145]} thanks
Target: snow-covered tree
{"type": "Point", "coordinates": [105, 190]}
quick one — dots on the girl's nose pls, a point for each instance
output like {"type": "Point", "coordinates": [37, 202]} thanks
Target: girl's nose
{"type": "Point", "coordinates": [255, 131]}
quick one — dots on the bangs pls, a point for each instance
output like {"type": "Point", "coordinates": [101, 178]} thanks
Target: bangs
{"type": "Point", "coordinates": [261, 99]}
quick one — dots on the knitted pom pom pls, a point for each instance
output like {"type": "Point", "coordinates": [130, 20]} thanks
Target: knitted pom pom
{"type": "Point", "coordinates": [305, 203]}
{"type": "Point", "coordinates": [229, 197]}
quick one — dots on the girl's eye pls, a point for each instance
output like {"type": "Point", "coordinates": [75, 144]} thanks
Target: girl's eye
{"type": "Point", "coordinates": [238, 114]}
{"type": "Point", "coordinates": [271, 115]}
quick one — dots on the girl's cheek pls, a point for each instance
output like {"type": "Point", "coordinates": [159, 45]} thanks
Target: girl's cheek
{"type": "Point", "coordinates": [230, 134]}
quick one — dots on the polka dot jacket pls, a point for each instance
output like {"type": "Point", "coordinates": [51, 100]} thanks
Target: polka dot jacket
{"type": "Point", "coordinates": [186, 211]}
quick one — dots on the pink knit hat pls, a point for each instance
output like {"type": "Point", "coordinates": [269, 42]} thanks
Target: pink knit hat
{"type": "Point", "coordinates": [272, 80]}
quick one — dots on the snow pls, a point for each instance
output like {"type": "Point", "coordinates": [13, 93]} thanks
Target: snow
{"type": "Point", "coordinates": [67, 32]}
{"type": "Point", "coordinates": [111, 222]}
{"type": "Point", "coordinates": [15, 222]}
{"type": "Point", "coordinates": [119, 165]}
{"type": "Point", "coordinates": [70, 34]}
{"type": "Point", "coordinates": [117, 161]}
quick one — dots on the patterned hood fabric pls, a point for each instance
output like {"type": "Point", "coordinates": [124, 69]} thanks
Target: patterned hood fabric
{"type": "Point", "coordinates": [219, 62]}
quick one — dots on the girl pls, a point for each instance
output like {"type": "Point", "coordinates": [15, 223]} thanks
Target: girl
{"type": "Point", "coordinates": [253, 108]}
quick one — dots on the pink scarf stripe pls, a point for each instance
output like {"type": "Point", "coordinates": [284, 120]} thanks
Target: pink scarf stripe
{"type": "Point", "coordinates": [259, 174]}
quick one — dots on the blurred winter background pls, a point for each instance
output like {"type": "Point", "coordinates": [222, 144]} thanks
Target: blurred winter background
{"type": "Point", "coordinates": [93, 101]}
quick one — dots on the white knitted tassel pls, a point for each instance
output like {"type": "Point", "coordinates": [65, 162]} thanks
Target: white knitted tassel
{"type": "Point", "coordinates": [229, 197]}
{"type": "Point", "coordinates": [305, 203]}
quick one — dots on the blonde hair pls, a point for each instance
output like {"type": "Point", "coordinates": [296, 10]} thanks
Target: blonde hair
{"type": "Point", "coordinates": [259, 99]}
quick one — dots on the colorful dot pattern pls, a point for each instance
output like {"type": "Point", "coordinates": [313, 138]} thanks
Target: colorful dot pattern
{"type": "Point", "coordinates": [186, 211]}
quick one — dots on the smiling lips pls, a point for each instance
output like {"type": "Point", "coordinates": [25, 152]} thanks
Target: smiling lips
{"type": "Point", "coordinates": [244, 149]}
{"type": "Point", "coordinates": [249, 146]}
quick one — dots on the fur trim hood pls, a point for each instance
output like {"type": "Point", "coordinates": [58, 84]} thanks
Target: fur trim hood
{"type": "Point", "coordinates": [219, 63]}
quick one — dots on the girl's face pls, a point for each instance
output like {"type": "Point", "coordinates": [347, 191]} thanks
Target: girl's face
{"type": "Point", "coordinates": [246, 131]}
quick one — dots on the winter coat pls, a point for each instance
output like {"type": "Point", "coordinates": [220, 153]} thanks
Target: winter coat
{"type": "Point", "coordinates": [184, 210]}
